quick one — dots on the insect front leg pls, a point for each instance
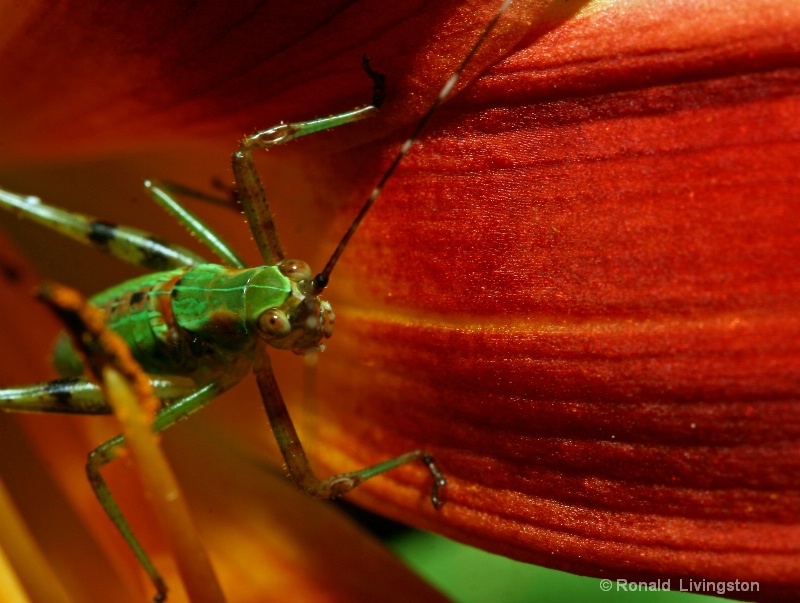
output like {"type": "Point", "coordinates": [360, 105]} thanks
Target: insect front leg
{"type": "Point", "coordinates": [250, 192]}
{"type": "Point", "coordinates": [297, 461]}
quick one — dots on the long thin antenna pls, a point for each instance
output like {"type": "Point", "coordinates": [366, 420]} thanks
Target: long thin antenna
{"type": "Point", "coordinates": [321, 280]}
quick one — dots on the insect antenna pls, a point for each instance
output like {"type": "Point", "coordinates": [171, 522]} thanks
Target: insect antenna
{"type": "Point", "coordinates": [320, 281]}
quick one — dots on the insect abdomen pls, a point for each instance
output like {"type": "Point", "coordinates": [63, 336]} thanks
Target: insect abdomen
{"type": "Point", "coordinates": [139, 311]}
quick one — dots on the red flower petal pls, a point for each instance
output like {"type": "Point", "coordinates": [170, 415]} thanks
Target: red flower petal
{"type": "Point", "coordinates": [92, 78]}
{"type": "Point", "coordinates": [580, 292]}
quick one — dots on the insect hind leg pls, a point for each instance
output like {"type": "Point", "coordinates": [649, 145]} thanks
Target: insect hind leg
{"type": "Point", "coordinates": [128, 244]}
{"type": "Point", "coordinates": [77, 395]}
{"type": "Point", "coordinates": [71, 396]}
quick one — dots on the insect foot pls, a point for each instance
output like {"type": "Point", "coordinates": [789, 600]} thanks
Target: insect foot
{"type": "Point", "coordinates": [439, 480]}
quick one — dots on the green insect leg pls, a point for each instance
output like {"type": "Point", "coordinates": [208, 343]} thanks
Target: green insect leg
{"type": "Point", "coordinates": [106, 452]}
{"type": "Point", "coordinates": [76, 396]}
{"type": "Point", "coordinates": [128, 244]}
{"type": "Point", "coordinates": [249, 190]}
{"type": "Point", "coordinates": [100, 456]}
{"type": "Point", "coordinates": [295, 456]}
{"type": "Point", "coordinates": [163, 194]}
{"type": "Point", "coordinates": [72, 396]}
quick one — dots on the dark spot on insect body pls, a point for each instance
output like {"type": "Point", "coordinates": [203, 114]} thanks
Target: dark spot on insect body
{"type": "Point", "coordinates": [175, 289]}
{"type": "Point", "coordinates": [101, 233]}
{"type": "Point", "coordinates": [137, 297]}
{"type": "Point", "coordinates": [61, 390]}
{"type": "Point", "coordinates": [225, 325]}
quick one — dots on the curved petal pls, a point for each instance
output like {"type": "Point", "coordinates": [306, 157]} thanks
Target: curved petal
{"type": "Point", "coordinates": [579, 292]}
{"type": "Point", "coordinates": [582, 297]}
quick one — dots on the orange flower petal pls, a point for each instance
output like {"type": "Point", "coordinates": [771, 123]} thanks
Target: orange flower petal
{"type": "Point", "coordinates": [265, 537]}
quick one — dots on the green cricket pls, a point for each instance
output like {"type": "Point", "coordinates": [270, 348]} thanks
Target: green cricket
{"type": "Point", "coordinates": [197, 328]}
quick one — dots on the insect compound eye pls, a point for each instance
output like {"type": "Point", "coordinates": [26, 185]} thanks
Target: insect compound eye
{"type": "Point", "coordinates": [295, 270]}
{"type": "Point", "coordinates": [273, 324]}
